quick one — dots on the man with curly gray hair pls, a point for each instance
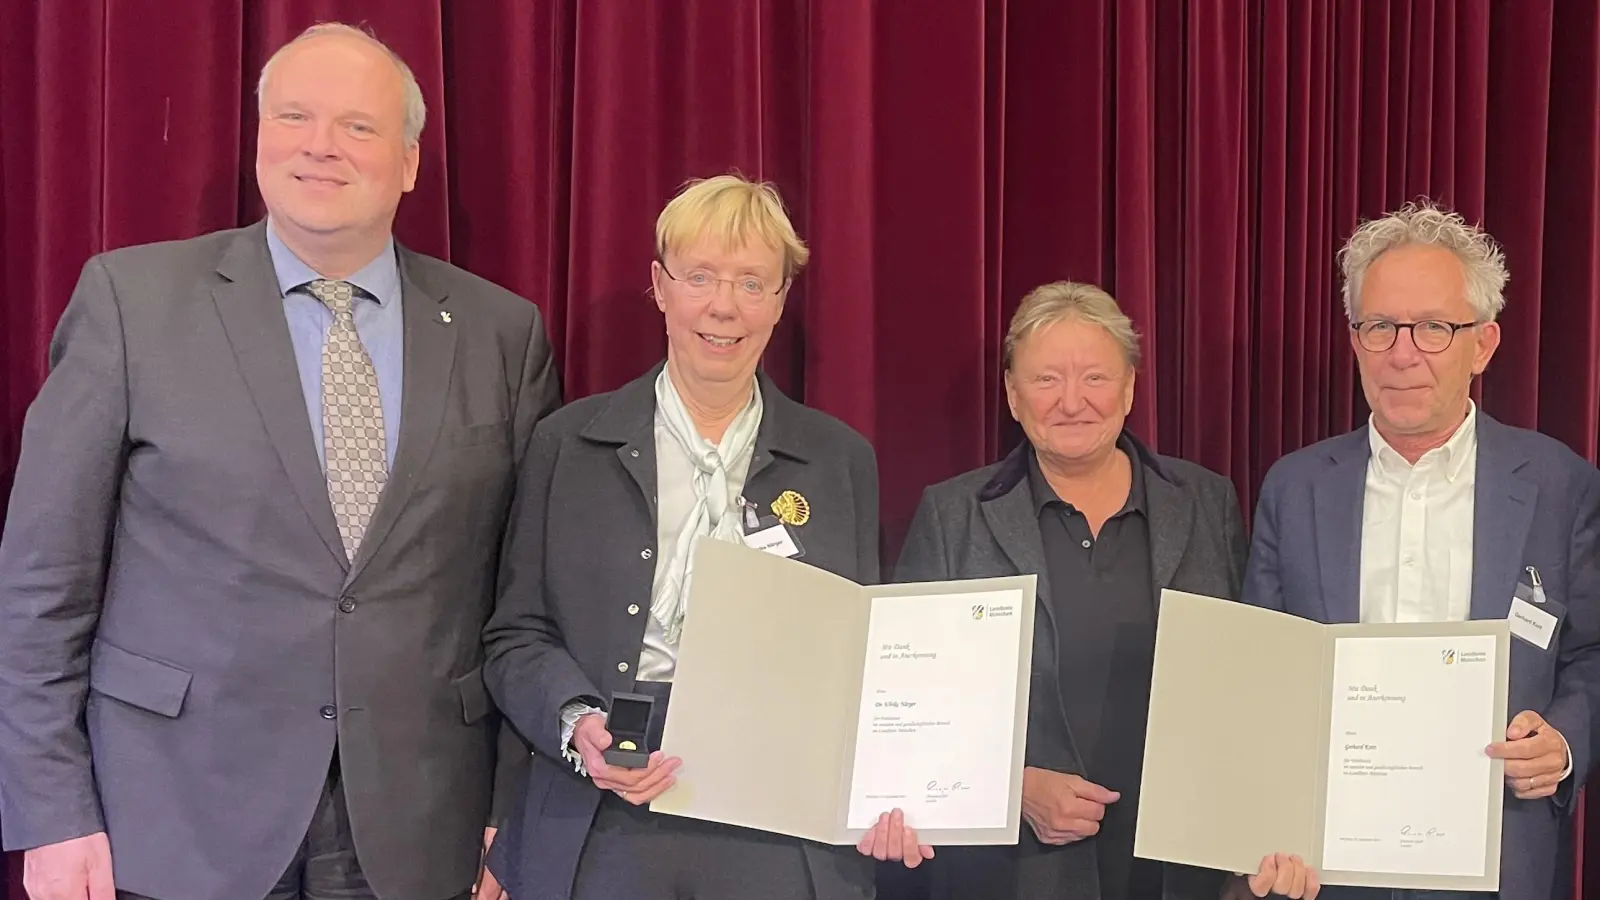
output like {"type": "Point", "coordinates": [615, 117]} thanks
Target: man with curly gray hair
{"type": "Point", "coordinates": [1435, 512]}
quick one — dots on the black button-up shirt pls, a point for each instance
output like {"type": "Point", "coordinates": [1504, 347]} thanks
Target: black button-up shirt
{"type": "Point", "coordinates": [1102, 594]}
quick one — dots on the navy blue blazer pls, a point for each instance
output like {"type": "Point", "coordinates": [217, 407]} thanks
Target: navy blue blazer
{"type": "Point", "coordinates": [1535, 503]}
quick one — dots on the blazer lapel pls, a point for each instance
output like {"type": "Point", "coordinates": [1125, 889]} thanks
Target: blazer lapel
{"type": "Point", "coordinates": [1171, 522]}
{"type": "Point", "coordinates": [628, 422]}
{"type": "Point", "coordinates": [1337, 497]}
{"type": "Point", "coordinates": [1502, 514]}
{"type": "Point", "coordinates": [1009, 512]}
{"type": "Point", "coordinates": [780, 434]}
{"type": "Point", "coordinates": [251, 310]}
{"type": "Point", "coordinates": [430, 351]}
{"type": "Point", "coordinates": [638, 457]}
{"type": "Point", "coordinates": [1011, 519]}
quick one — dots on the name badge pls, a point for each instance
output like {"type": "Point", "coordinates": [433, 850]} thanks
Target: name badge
{"type": "Point", "coordinates": [1531, 623]}
{"type": "Point", "coordinates": [774, 539]}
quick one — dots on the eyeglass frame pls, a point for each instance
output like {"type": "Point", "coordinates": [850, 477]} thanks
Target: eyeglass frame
{"type": "Point", "coordinates": [732, 282]}
{"type": "Point", "coordinates": [1455, 328]}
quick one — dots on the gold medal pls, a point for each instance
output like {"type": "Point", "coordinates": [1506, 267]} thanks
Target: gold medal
{"type": "Point", "coordinates": [791, 508]}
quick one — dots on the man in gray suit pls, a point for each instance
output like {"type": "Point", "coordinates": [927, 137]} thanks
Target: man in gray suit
{"type": "Point", "coordinates": [1435, 512]}
{"type": "Point", "coordinates": [254, 535]}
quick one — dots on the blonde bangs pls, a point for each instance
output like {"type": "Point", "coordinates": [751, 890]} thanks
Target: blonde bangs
{"type": "Point", "coordinates": [732, 211]}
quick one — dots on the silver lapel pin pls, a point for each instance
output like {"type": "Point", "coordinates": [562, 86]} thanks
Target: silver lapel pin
{"type": "Point", "coordinates": [444, 316]}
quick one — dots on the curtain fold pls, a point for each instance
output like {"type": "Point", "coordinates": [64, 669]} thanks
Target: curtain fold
{"type": "Point", "coordinates": [1201, 160]}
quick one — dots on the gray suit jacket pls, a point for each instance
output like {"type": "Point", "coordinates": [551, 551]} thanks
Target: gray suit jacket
{"type": "Point", "coordinates": [575, 594]}
{"type": "Point", "coordinates": [1536, 503]}
{"type": "Point", "coordinates": [984, 524]}
{"type": "Point", "coordinates": [181, 639]}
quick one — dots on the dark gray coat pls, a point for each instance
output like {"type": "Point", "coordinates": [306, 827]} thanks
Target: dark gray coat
{"type": "Point", "coordinates": [575, 594]}
{"type": "Point", "coordinates": [984, 524]}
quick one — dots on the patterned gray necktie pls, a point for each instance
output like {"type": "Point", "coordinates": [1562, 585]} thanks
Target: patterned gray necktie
{"type": "Point", "coordinates": [352, 418]}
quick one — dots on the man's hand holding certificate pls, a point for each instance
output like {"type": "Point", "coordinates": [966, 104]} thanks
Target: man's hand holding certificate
{"type": "Point", "coordinates": [1537, 757]}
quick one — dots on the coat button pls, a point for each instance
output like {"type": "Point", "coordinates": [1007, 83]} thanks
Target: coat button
{"type": "Point", "coordinates": [622, 667]}
{"type": "Point", "coordinates": [329, 712]}
{"type": "Point", "coordinates": [633, 609]}
{"type": "Point", "coordinates": [645, 553]}
{"type": "Point", "coordinates": [347, 605]}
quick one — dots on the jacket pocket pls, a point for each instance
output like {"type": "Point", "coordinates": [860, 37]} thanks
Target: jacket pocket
{"type": "Point", "coordinates": [137, 680]}
{"type": "Point", "coordinates": [474, 696]}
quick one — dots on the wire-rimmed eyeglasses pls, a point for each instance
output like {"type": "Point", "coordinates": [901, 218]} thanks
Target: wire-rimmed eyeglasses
{"type": "Point", "coordinates": [700, 283]}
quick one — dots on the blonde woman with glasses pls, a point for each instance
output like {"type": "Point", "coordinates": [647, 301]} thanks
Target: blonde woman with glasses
{"type": "Point", "coordinates": [614, 493]}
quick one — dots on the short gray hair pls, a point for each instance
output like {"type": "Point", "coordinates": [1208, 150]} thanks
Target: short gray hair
{"type": "Point", "coordinates": [1425, 223]}
{"type": "Point", "coordinates": [416, 109]}
{"type": "Point", "coordinates": [1059, 301]}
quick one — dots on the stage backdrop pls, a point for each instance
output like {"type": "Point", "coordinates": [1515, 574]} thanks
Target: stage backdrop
{"type": "Point", "coordinates": [1202, 159]}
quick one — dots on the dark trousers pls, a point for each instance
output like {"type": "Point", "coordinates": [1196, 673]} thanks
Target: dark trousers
{"type": "Point", "coordinates": [636, 854]}
{"type": "Point", "coordinates": [325, 866]}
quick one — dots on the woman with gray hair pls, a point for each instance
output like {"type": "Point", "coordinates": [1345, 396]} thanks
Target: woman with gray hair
{"type": "Point", "coordinates": [1105, 524]}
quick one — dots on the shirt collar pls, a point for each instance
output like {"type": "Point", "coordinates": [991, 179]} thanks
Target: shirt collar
{"type": "Point", "coordinates": [380, 278]}
{"type": "Point", "coordinates": [1044, 494]}
{"type": "Point", "coordinates": [1452, 456]}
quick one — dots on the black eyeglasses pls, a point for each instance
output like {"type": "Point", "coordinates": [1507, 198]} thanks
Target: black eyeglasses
{"type": "Point", "coordinates": [1429, 335]}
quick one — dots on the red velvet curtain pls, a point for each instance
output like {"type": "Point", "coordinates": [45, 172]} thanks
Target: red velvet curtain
{"type": "Point", "coordinates": [1203, 159]}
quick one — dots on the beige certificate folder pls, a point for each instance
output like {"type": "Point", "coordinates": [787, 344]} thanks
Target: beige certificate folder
{"type": "Point", "coordinates": [1243, 739]}
{"type": "Point", "coordinates": [767, 699]}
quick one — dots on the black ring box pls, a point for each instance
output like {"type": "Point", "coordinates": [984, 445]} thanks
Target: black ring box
{"type": "Point", "coordinates": [629, 724]}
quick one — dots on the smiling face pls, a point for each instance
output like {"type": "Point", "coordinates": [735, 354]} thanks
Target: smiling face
{"type": "Point", "coordinates": [1071, 389]}
{"type": "Point", "coordinates": [717, 329]}
{"type": "Point", "coordinates": [332, 160]}
{"type": "Point", "coordinates": [1412, 392]}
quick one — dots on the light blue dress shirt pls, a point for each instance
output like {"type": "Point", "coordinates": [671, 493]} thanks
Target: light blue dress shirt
{"type": "Point", "coordinates": [379, 325]}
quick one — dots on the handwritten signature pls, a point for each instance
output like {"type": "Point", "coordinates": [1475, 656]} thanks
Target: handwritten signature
{"type": "Point", "coordinates": [937, 790]}
{"type": "Point", "coordinates": [1409, 831]}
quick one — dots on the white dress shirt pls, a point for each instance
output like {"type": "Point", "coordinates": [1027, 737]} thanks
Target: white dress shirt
{"type": "Point", "coordinates": [1416, 532]}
